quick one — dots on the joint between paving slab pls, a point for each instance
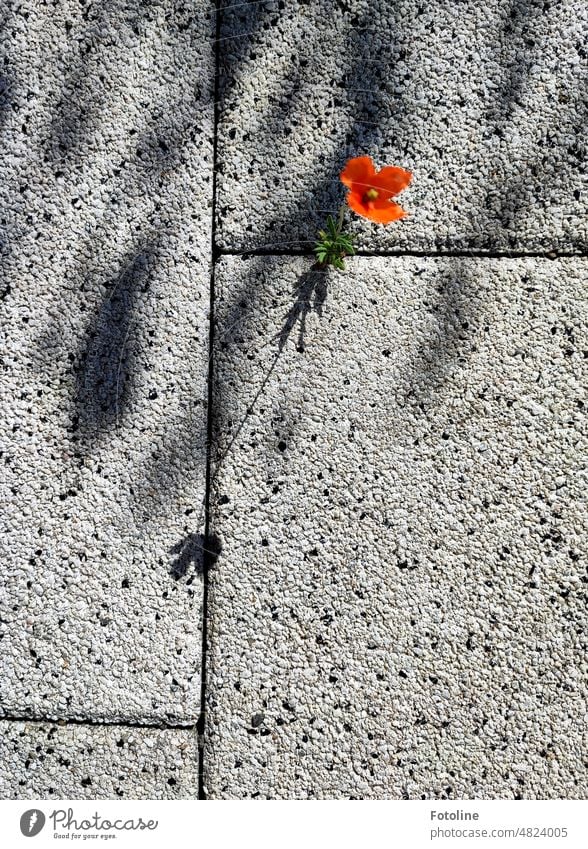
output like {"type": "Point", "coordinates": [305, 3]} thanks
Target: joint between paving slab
{"type": "Point", "coordinates": [63, 722]}
{"type": "Point", "coordinates": [462, 254]}
{"type": "Point", "coordinates": [207, 555]}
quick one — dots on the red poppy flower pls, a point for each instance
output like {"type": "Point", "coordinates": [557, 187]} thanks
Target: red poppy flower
{"type": "Point", "coordinates": [371, 191]}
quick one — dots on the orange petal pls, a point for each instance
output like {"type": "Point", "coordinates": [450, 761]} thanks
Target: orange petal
{"type": "Point", "coordinates": [358, 170]}
{"type": "Point", "coordinates": [355, 202]}
{"type": "Point", "coordinates": [391, 179]}
{"type": "Point", "coordinates": [382, 211]}
{"type": "Point", "coordinates": [386, 213]}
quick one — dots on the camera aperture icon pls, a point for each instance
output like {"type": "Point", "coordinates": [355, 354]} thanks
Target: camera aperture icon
{"type": "Point", "coordinates": [32, 822]}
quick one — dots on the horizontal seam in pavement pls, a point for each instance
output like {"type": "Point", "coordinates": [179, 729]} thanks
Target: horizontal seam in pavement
{"type": "Point", "coordinates": [97, 723]}
{"type": "Point", "coordinates": [422, 254]}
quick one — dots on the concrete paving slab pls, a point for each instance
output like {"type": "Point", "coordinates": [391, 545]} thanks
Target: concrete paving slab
{"type": "Point", "coordinates": [105, 186]}
{"type": "Point", "coordinates": [45, 761]}
{"type": "Point", "coordinates": [398, 606]}
{"type": "Point", "coordinates": [484, 102]}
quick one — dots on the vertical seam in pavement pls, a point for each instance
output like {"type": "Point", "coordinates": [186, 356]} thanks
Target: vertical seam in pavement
{"type": "Point", "coordinates": [206, 555]}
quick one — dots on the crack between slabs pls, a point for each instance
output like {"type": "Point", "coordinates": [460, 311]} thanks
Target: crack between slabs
{"type": "Point", "coordinates": [206, 555]}
{"type": "Point", "coordinates": [63, 722]}
{"type": "Point", "coordinates": [553, 255]}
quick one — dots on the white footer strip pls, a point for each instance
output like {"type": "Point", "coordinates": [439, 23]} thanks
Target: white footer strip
{"type": "Point", "coordinates": [341, 824]}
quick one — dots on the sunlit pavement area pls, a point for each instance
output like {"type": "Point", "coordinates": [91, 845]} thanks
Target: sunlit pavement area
{"type": "Point", "coordinates": [272, 531]}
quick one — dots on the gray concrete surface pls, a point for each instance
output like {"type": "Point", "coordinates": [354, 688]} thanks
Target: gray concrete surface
{"type": "Point", "coordinates": [45, 761]}
{"type": "Point", "coordinates": [398, 609]}
{"type": "Point", "coordinates": [105, 191]}
{"type": "Point", "coordinates": [485, 102]}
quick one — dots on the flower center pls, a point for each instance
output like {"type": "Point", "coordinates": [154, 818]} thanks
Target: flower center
{"type": "Point", "coordinates": [371, 194]}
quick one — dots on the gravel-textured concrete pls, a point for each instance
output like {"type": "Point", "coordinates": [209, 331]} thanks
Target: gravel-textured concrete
{"type": "Point", "coordinates": [399, 606]}
{"type": "Point", "coordinates": [44, 761]}
{"type": "Point", "coordinates": [105, 229]}
{"type": "Point", "coordinates": [396, 610]}
{"type": "Point", "coordinates": [485, 102]}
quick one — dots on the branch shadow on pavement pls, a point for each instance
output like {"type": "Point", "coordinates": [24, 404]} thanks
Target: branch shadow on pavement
{"type": "Point", "coordinates": [381, 92]}
{"type": "Point", "coordinates": [105, 364]}
{"type": "Point", "coordinates": [112, 258]}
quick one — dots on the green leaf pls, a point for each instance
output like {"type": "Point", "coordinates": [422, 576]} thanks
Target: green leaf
{"type": "Point", "coordinates": [332, 227]}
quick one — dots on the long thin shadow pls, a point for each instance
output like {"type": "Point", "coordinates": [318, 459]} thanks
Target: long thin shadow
{"type": "Point", "coordinates": [520, 48]}
{"type": "Point", "coordinates": [77, 112]}
{"type": "Point", "coordinates": [455, 320]}
{"type": "Point", "coordinates": [311, 293]}
{"type": "Point", "coordinates": [106, 364]}
{"type": "Point", "coordinates": [5, 99]}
